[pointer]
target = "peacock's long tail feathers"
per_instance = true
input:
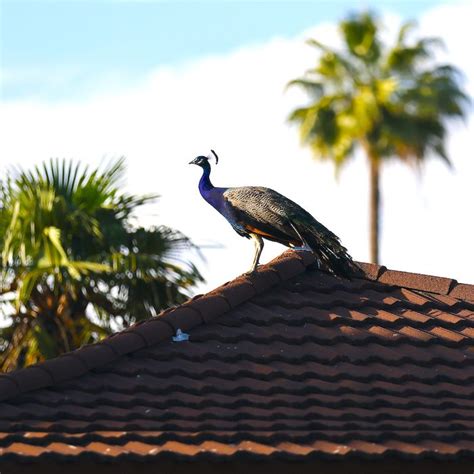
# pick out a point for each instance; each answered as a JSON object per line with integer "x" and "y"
{"x": 327, "y": 248}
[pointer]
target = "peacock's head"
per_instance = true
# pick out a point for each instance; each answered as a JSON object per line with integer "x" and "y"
{"x": 203, "y": 161}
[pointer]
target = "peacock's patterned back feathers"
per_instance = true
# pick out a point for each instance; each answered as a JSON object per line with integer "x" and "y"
{"x": 273, "y": 216}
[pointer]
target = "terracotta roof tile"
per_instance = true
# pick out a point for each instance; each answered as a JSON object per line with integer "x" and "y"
{"x": 125, "y": 342}
{"x": 153, "y": 331}
{"x": 447, "y": 334}
{"x": 64, "y": 367}
{"x": 9, "y": 387}
{"x": 371, "y": 270}
{"x": 184, "y": 318}
{"x": 419, "y": 282}
{"x": 463, "y": 292}
{"x": 288, "y": 266}
{"x": 237, "y": 291}
{"x": 32, "y": 378}
{"x": 289, "y": 362}
{"x": 416, "y": 333}
{"x": 211, "y": 306}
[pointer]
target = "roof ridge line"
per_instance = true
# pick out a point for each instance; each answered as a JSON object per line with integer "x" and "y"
{"x": 418, "y": 281}
{"x": 159, "y": 328}
{"x": 191, "y": 314}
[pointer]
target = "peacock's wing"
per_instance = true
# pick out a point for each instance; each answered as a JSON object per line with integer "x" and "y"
{"x": 264, "y": 212}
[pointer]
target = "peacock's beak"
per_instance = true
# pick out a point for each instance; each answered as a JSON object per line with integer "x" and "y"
{"x": 193, "y": 162}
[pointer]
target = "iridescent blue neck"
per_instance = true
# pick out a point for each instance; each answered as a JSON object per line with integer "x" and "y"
{"x": 214, "y": 196}
{"x": 205, "y": 184}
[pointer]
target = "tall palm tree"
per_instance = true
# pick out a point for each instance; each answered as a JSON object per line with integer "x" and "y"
{"x": 388, "y": 101}
{"x": 75, "y": 265}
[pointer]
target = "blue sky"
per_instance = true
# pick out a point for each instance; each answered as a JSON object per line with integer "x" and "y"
{"x": 58, "y": 49}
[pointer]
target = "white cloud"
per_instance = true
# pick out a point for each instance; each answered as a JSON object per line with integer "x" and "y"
{"x": 236, "y": 104}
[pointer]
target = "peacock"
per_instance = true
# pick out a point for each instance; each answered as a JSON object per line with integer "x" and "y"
{"x": 259, "y": 213}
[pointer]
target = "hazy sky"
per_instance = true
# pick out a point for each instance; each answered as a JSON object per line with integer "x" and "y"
{"x": 161, "y": 82}
{"x": 82, "y": 42}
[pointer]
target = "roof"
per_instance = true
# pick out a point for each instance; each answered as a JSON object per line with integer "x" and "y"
{"x": 288, "y": 363}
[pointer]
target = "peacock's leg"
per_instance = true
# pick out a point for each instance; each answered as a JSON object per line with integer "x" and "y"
{"x": 258, "y": 241}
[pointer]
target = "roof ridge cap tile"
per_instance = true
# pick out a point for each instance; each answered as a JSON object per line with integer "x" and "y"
{"x": 198, "y": 310}
{"x": 418, "y": 281}
{"x": 462, "y": 291}
{"x": 202, "y": 309}
{"x": 372, "y": 271}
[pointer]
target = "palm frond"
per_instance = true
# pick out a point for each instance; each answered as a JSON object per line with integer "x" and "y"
{"x": 391, "y": 101}
{"x": 70, "y": 250}
{"x": 360, "y": 34}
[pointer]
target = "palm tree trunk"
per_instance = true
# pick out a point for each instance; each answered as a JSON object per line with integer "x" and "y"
{"x": 374, "y": 203}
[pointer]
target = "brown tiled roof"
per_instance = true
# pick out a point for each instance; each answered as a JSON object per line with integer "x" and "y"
{"x": 289, "y": 363}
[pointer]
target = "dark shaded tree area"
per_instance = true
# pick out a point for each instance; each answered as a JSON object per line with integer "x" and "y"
{"x": 75, "y": 265}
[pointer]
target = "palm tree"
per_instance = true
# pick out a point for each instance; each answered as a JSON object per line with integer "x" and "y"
{"x": 74, "y": 266}
{"x": 388, "y": 101}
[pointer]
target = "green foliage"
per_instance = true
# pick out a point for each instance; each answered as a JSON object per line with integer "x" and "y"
{"x": 391, "y": 101}
{"x": 70, "y": 251}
